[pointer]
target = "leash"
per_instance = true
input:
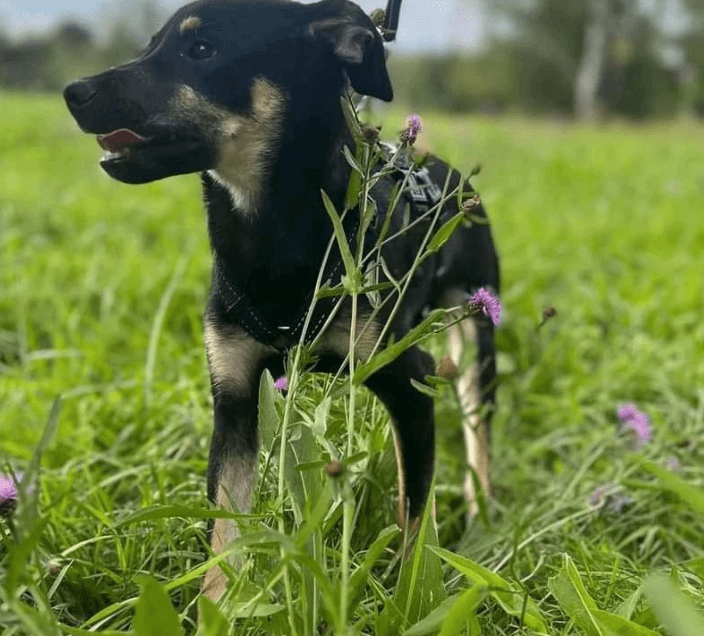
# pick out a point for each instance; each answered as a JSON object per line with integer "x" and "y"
{"x": 390, "y": 24}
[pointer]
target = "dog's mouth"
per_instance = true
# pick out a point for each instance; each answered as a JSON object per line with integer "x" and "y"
{"x": 118, "y": 144}
{"x": 138, "y": 158}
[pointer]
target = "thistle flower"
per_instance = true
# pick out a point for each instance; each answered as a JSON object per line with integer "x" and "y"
{"x": 636, "y": 422}
{"x": 413, "y": 127}
{"x": 8, "y": 494}
{"x": 483, "y": 299}
{"x": 281, "y": 383}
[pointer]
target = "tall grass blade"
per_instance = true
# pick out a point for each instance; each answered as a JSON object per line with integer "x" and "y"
{"x": 691, "y": 495}
{"x": 158, "y": 324}
{"x": 29, "y": 524}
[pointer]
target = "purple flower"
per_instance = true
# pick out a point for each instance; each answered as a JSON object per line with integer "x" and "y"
{"x": 672, "y": 463}
{"x": 8, "y": 494}
{"x": 483, "y": 299}
{"x": 413, "y": 127}
{"x": 636, "y": 422}
{"x": 281, "y": 384}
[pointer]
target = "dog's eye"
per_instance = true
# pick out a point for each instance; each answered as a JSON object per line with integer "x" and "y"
{"x": 201, "y": 50}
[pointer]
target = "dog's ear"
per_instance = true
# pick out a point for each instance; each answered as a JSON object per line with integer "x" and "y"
{"x": 358, "y": 46}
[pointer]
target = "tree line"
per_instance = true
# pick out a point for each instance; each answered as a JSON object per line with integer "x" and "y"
{"x": 587, "y": 59}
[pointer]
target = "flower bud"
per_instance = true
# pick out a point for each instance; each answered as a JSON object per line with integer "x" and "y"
{"x": 334, "y": 469}
{"x": 447, "y": 369}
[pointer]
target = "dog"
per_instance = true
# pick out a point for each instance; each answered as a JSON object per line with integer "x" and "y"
{"x": 248, "y": 94}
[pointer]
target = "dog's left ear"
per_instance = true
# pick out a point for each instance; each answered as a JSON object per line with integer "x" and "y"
{"x": 358, "y": 46}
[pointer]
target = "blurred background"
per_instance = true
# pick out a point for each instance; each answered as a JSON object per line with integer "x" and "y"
{"x": 581, "y": 59}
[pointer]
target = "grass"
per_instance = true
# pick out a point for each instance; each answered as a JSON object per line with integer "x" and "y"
{"x": 103, "y": 287}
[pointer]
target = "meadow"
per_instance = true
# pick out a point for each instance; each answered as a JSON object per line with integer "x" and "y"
{"x": 105, "y": 407}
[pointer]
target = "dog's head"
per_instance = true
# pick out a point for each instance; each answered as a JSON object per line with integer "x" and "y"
{"x": 222, "y": 80}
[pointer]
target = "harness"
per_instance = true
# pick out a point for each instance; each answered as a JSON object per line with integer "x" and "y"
{"x": 241, "y": 310}
{"x": 239, "y": 307}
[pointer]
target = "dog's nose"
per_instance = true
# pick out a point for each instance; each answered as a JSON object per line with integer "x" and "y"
{"x": 79, "y": 93}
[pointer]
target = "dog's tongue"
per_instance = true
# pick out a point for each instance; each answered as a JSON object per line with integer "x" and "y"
{"x": 118, "y": 140}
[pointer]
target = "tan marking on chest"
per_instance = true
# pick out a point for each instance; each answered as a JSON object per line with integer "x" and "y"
{"x": 247, "y": 144}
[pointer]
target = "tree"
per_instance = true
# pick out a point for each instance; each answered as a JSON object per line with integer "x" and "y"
{"x": 583, "y": 56}
{"x": 591, "y": 63}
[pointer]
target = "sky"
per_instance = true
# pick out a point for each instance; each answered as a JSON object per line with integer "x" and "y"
{"x": 438, "y": 25}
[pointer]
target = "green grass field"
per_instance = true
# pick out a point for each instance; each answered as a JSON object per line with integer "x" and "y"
{"x": 102, "y": 288}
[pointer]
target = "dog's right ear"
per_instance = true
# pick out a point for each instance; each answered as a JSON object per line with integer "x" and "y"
{"x": 358, "y": 46}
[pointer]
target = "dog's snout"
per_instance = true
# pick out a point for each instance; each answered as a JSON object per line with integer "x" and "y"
{"x": 79, "y": 93}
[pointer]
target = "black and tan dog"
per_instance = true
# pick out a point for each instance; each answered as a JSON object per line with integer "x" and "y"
{"x": 247, "y": 93}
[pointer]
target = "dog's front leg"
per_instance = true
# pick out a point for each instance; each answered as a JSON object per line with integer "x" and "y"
{"x": 233, "y": 455}
{"x": 412, "y": 415}
{"x": 235, "y": 360}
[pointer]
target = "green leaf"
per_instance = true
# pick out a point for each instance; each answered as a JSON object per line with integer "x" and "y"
{"x": 320, "y": 418}
{"x": 568, "y": 589}
{"x": 269, "y": 421}
{"x": 303, "y": 486}
{"x": 696, "y": 565}
{"x": 615, "y": 625}
{"x": 628, "y": 607}
{"x": 510, "y": 599}
{"x": 35, "y": 622}
{"x": 464, "y": 612}
{"x": 393, "y": 202}
{"x": 433, "y": 621}
{"x": 677, "y": 613}
{"x": 351, "y": 119}
{"x": 425, "y": 389}
{"x": 352, "y": 160}
{"x": 211, "y": 621}
{"x": 260, "y": 610}
{"x": 354, "y": 189}
{"x": 690, "y": 494}
{"x": 157, "y": 511}
{"x": 155, "y": 615}
{"x": 456, "y": 611}
{"x": 361, "y": 574}
{"x": 433, "y": 323}
{"x": 340, "y": 236}
{"x": 420, "y": 586}
{"x": 444, "y": 233}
